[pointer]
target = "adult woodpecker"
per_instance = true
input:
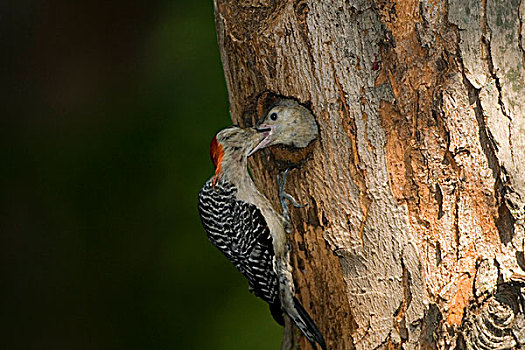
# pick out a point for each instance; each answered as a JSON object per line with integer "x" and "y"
{"x": 242, "y": 224}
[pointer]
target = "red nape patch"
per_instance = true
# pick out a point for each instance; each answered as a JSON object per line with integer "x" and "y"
{"x": 216, "y": 153}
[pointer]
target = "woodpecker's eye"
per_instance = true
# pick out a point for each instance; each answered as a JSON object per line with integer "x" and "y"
{"x": 273, "y": 116}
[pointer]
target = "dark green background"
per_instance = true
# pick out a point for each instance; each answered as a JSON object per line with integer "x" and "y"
{"x": 108, "y": 110}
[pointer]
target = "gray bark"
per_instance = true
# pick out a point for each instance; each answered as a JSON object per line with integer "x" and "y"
{"x": 414, "y": 232}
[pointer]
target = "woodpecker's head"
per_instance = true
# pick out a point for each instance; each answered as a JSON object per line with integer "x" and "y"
{"x": 232, "y": 146}
{"x": 287, "y": 123}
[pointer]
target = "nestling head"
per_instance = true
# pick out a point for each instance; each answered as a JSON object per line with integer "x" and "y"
{"x": 287, "y": 123}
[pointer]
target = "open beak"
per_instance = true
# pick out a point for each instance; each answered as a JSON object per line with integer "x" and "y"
{"x": 267, "y": 132}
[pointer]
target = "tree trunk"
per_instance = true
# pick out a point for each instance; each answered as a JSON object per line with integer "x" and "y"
{"x": 414, "y": 234}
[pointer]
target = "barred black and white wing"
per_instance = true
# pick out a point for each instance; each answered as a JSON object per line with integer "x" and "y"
{"x": 238, "y": 229}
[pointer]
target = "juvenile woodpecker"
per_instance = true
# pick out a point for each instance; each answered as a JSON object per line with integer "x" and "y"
{"x": 287, "y": 123}
{"x": 242, "y": 224}
{"x": 292, "y": 124}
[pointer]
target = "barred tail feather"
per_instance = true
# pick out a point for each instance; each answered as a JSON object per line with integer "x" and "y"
{"x": 308, "y": 326}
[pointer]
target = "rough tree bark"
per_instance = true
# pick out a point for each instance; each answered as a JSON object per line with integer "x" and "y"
{"x": 413, "y": 237}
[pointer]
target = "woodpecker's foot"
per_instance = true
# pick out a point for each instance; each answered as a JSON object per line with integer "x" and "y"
{"x": 283, "y": 196}
{"x": 293, "y": 201}
{"x": 281, "y": 182}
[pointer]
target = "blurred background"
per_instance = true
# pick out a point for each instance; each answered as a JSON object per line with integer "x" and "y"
{"x": 109, "y": 108}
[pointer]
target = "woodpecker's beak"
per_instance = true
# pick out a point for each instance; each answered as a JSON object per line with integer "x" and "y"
{"x": 266, "y": 131}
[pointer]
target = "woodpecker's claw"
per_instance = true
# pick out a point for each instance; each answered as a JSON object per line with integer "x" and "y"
{"x": 293, "y": 201}
{"x": 283, "y": 196}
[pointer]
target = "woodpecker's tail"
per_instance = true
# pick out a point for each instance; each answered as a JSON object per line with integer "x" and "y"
{"x": 307, "y": 326}
{"x": 277, "y": 312}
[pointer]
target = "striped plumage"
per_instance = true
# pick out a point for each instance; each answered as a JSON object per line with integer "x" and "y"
{"x": 242, "y": 224}
{"x": 239, "y": 230}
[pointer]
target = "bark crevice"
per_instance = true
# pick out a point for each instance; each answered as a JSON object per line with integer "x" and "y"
{"x": 505, "y": 221}
{"x": 521, "y": 29}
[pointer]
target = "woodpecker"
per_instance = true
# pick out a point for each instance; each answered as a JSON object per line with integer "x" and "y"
{"x": 291, "y": 124}
{"x": 242, "y": 224}
{"x": 287, "y": 123}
